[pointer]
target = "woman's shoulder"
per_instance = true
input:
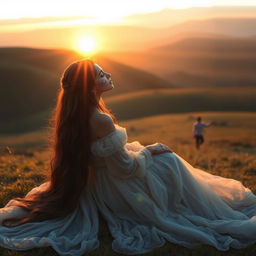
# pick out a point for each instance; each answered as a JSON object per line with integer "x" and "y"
{"x": 102, "y": 124}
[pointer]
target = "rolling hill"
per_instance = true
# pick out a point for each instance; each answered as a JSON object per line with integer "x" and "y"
{"x": 181, "y": 100}
{"x": 199, "y": 61}
{"x": 29, "y": 80}
{"x": 146, "y": 103}
{"x": 232, "y": 132}
{"x": 213, "y": 45}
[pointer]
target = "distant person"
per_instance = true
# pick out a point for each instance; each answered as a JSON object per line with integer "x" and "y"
{"x": 198, "y": 131}
{"x": 146, "y": 194}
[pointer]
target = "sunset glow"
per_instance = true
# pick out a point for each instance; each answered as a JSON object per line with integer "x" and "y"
{"x": 87, "y": 45}
{"x": 115, "y": 25}
{"x": 100, "y": 9}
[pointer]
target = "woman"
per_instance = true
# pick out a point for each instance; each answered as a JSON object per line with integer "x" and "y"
{"x": 147, "y": 195}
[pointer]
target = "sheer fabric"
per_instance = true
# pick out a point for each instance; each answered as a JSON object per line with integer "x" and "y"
{"x": 72, "y": 235}
{"x": 171, "y": 200}
{"x": 146, "y": 201}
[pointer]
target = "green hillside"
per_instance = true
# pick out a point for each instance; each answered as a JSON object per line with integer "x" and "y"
{"x": 155, "y": 102}
{"x": 129, "y": 79}
{"x": 29, "y": 80}
{"x": 232, "y": 130}
{"x": 25, "y": 90}
{"x": 229, "y": 151}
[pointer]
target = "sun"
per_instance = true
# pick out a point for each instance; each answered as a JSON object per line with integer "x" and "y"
{"x": 87, "y": 45}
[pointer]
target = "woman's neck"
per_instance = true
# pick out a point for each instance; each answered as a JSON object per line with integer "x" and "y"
{"x": 98, "y": 97}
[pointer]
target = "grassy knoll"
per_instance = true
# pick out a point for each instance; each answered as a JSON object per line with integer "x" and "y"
{"x": 229, "y": 151}
{"x": 29, "y": 82}
{"x": 163, "y": 101}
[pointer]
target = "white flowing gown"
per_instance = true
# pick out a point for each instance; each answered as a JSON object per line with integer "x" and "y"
{"x": 146, "y": 201}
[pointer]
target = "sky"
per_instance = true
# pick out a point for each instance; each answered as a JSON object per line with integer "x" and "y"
{"x": 80, "y": 23}
{"x": 102, "y": 9}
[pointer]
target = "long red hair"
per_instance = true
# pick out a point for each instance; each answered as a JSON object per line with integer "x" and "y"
{"x": 70, "y": 169}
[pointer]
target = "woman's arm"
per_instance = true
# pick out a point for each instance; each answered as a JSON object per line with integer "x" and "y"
{"x": 121, "y": 161}
{"x": 158, "y": 148}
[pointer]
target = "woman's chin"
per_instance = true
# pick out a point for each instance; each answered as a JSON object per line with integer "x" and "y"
{"x": 109, "y": 89}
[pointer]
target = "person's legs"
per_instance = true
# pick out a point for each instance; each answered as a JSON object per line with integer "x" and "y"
{"x": 199, "y": 140}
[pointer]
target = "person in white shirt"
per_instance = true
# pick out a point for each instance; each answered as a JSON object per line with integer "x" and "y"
{"x": 198, "y": 129}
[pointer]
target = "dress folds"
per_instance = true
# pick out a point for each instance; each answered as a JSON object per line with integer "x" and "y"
{"x": 146, "y": 200}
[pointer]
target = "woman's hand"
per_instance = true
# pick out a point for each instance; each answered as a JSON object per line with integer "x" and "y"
{"x": 158, "y": 148}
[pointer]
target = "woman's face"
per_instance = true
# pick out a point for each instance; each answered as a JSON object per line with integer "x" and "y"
{"x": 103, "y": 80}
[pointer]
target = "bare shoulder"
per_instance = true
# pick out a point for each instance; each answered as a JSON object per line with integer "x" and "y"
{"x": 101, "y": 124}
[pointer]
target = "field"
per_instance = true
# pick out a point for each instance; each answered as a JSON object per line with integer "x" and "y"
{"x": 139, "y": 104}
{"x": 180, "y": 100}
{"x": 29, "y": 80}
{"x": 229, "y": 151}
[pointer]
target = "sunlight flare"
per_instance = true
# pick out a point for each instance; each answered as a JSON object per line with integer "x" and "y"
{"x": 87, "y": 44}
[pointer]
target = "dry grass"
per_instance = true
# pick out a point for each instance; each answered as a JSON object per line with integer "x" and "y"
{"x": 229, "y": 151}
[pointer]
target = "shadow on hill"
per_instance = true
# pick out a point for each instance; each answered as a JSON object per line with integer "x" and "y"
{"x": 29, "y": 82}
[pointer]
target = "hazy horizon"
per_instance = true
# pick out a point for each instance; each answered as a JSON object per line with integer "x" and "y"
{"x": 106, "y": 33}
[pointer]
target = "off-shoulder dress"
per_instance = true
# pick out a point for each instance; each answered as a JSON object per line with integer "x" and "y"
{"x": 146, "y": 200}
